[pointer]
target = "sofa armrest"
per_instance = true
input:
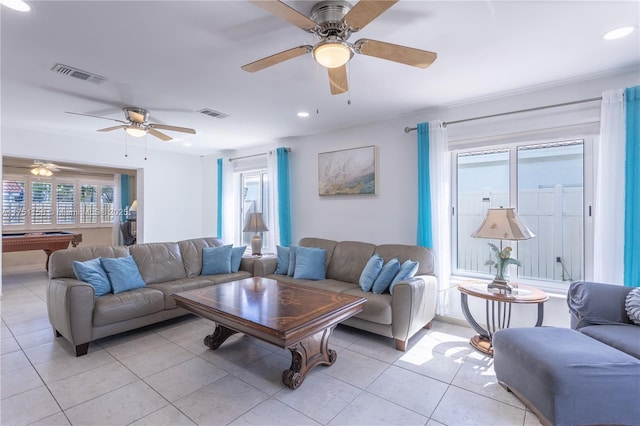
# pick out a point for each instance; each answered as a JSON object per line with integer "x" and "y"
{"x": 413, "y": 305}
{"x": 247, "y": 264}
{"x": 70, "y": 305}
{"x": 265, "y": 266}
{"x": 597, "y": 303}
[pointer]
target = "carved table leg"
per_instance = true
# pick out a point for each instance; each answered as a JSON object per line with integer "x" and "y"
{"x": 220, "y": 334}
{"x": 306, "y": 354}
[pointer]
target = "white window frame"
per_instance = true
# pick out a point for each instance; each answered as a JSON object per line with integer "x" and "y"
{"x": 588, "y": 195}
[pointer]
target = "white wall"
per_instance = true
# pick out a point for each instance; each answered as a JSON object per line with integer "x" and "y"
{"x": 162, "y": 177}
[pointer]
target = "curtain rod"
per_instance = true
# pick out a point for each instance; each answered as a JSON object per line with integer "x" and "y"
{"x": 255, "y": 155}
{"x": 410, "y": 129}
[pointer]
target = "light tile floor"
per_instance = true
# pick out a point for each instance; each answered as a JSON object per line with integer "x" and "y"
{"x": 164, "y": 375}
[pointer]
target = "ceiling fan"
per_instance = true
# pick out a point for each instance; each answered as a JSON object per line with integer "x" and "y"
{"x": 333, "y": 22}
{"x": 137, "y": 124}
{"x": 45, "y": 169}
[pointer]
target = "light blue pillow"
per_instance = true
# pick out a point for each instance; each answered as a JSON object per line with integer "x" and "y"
{"x": 282, "y": 266}
{"x": 93, "y": 273}
{"x": 389, "y": 270}
{"x": 236, "y": 257}
{"x": 407, "y": 270}
{"x": 370, "y": 272}
{"x": 216, "y": 260}
{"x": 310, "y": 263}
{"x": 292, "y": 261}
{"x": 123, "y": 273}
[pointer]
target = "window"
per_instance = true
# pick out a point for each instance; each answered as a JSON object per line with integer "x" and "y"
{"x": 545, "y": 182}
{"x": 44, "y": 203}
{"x": 255, "y": 198}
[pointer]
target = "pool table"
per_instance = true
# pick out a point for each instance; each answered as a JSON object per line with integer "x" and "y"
{"x": 47, "y": 241}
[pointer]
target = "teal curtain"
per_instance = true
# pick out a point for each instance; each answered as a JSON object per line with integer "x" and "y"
{"x": 632, "y": 190}
{"x": 425, "y": 236}
{"x": 284, "y": 196}
{"x": 125, "y": 195}
{"x": 219, "y": 224}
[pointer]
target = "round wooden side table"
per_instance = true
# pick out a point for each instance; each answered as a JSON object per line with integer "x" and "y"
{"x": 498, "y": 309}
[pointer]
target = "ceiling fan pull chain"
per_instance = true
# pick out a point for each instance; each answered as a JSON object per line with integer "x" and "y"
{"x": 145, "y": 147}
{"x": 349, "y": 83}
{"x": 126, "y": 153}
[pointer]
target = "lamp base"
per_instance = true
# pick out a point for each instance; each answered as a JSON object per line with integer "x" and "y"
{"x": 256, "y": 245}
{"x": 501, "y": 285}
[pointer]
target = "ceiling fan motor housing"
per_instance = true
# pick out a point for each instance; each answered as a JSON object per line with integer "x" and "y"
{"x": 329, "y": 17}
{"x": 141, "y": 111}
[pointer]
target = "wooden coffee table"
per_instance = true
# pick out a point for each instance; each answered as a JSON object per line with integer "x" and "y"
{"x": 290, "y": 316}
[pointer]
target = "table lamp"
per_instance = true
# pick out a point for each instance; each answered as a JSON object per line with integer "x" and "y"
{"x": 257, "y": 225}
{"x": 502, "y": 224}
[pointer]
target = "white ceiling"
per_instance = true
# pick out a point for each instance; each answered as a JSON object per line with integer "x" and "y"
{"x": 177, "y": 57}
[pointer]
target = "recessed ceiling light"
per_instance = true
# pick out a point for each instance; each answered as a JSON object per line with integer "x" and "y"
{"x": 618, "y": 33}
{"x": 186, "y": 144}
{"x": 303, "y": 114}
{"x": 18, "y": 5}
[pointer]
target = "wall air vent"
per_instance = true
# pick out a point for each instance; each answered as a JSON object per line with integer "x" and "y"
{"x": 212, "y": 113}
{"x": 74, "y": 72}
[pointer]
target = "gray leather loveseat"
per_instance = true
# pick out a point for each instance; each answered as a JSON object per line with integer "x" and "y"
{"x": 166, "y": 268}
{"x": 399, "y": 315}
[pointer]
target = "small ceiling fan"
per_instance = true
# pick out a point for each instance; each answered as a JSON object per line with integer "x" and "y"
{"x": 137, "y": 124}
{"x": 45, "y": 169}
{"x": 333, "y": 22}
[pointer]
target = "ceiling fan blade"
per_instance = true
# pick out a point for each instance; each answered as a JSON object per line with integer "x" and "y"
{"x": 366, "y": 11}
{"x": 174, "y": 128}
{"x": 158, "y": 134}
{"x": 263, "y": 63}
{"x": 393, "y": 52}
{"x": 108, "y": 129}
{"x": 97, "y": 116}
{"x": 338, "y": 80}
{"x": 286, "y": 12}
{"x": 136, "y": 117}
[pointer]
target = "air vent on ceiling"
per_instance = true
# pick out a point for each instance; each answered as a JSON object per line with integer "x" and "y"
{"x": 212, "y": 113}
{"x": 74, "y": 72}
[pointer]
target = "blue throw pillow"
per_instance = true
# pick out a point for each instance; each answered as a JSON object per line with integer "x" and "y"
{"x": 370, "y": 272}
{"x": 407, "y": 270}
{"x": 282, "y": 266}
{"x": 236, "y": 257}
{"x": 216, "y": 260}
{"x": 292, "y": 261}
{"x": 389, "y": 270}
{"x": 123, "y": 273}
{"x": 310, "y": 263}
{"x": 93, "y": 273}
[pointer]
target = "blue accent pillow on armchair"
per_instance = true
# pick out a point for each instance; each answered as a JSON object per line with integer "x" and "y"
{"x": 123, "y": 273}
{"x": 92, "y": 272}
{"x": 282, "y": 265}
{"x": 370, "y": 272}
{"x": 292, "y": 260}
{"x": 216, "y": 260}
{"x": 407, "y": 270}
{"x": 310, "y": 263}
{"x": 389, "y": 270}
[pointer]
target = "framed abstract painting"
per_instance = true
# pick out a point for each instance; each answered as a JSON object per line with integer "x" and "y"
{"x": 347, "y": 172}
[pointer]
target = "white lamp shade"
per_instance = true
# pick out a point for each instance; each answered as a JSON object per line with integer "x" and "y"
{"x": 332, "y": 54}
{"x": 135, "y": 132}
{"x": 134, "y": 206}
{"x": 255, "y": 223}
{"x": 503, "y": 224}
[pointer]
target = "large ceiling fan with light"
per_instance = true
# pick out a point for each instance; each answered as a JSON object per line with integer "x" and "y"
{"x": 137, "y": 124}
{"x": 333, "y": 22}
{"x": 46, "y": 169}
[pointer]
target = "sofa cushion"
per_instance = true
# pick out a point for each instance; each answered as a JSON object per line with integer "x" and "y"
{"x": 370, "y": 272}
{"x": 191, "y": 251}
{"x": 388, "y": 272}
{"x": 632, "y": 305}
{"x": 624, "y": 337}
{"x": 422, "y": 255}
{"x": 123, "y": 273}
{"x": 329, "y": 285}
{"x": 168, "y": 289}
{"x": 310, "y": 263}
{"x": 61, "y": 261}
{"x": 92, "y": 272}
{"x": 112, "y": 308}
{"x": 282, "y": 265}
{"x": 216, "y": 260}
{"x": 376, "y": 309}
{"x": 348, "y": 260}
{"x": 225, "y": 278}
{"x": 158, "y": 262}
{"x": 407, "y": 270}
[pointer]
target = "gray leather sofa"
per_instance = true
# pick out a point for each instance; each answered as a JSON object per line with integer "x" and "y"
{"x": 399, "y": 315}
{"x": 166, "y": 268}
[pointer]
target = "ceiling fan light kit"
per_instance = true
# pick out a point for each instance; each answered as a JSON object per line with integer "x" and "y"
{"x": 135, "y": 131}
{"x": 41, "y": 171}
{"x": 333, "y": 22}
